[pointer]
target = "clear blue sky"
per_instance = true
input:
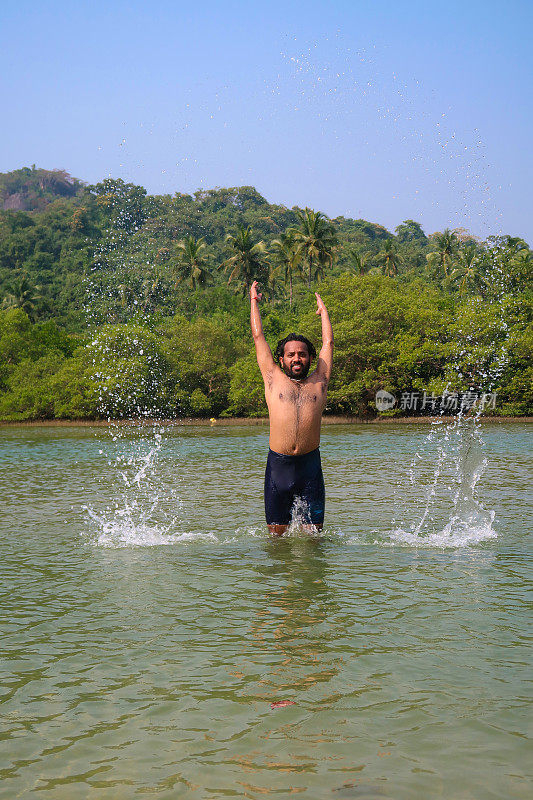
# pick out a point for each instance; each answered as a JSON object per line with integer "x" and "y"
{"x": 382, "y": 110}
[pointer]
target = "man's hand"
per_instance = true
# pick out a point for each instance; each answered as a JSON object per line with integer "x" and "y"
{"x": 262, "y": 350}
{"x": 325, "y": 357}
{"x": 254, "y": 294}
{"x": 320, "y": 304}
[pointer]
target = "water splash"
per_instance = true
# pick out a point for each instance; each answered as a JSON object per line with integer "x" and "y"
{"x": 300, "y": 520}
{"x": 440, "y": 504}
{"x": 129, "y": 376}
{"x": 448, "y": 510}
{"x": 145, "y": 507}
{"x": 437, "y": 504}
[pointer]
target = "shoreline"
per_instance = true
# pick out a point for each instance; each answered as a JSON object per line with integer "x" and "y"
{"x": 191, "y": 422}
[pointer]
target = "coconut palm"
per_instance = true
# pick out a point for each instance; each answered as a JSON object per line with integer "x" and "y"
{"x": 390, "y": 258}
{"x": 359, "y": 261}
{"x": 24, "y": 295}
{"x": 152, "y": 291}
{"x": 521, "y": 268}
{"x": 286, "y": 258}
{"x": 245, "y": 264}
{"x": 125, "y": 293}
{"x": 191, "y": 262}
{"x": 317, "y": 240}
{"x": 468, "y": 270}
{"x": 446, "y": 245}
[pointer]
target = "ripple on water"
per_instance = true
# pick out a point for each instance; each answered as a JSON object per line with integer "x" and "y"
{"x": 132, "y": 669}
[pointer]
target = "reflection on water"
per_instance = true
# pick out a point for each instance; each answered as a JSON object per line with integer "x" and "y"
{"x": 297, "y": 607}
{"x": 132, "y": 671}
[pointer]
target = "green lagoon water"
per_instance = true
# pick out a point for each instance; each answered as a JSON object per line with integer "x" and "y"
{"x": 148, "y": 622}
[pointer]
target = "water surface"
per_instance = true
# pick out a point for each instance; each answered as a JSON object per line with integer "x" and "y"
{"x": 149, "y": 623}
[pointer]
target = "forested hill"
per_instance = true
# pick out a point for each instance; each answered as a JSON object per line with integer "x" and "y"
{"x": 175, "y": 269}
{"x": 31, "y": 189}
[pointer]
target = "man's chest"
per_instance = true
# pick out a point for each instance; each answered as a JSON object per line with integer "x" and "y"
{"x": 291, "y": 394}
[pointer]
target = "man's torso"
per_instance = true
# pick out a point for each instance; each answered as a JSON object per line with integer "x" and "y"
{"x": 295, "y": 410}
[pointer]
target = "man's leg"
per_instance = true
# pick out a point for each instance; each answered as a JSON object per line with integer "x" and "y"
{"x": 278, "y": 501}
{"x": 313, "y": 492}
{"x": 277, "y": 530}
{"x": 312, "y": 528}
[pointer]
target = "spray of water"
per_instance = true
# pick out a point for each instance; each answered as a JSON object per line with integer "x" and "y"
{"x": 128, "y": 375}
{"x": 300, "y": 520}
{"x": 144, "y": 508}
{"x": 437, "y": 504}
{"x": 444, "y": 508}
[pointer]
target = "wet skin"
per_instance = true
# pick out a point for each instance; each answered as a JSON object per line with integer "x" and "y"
{"x": 295, "y": 399}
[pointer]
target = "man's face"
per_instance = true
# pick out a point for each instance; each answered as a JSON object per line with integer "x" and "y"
{"x": 296, "y": 360}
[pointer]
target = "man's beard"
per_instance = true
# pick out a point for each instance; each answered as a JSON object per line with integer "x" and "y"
{"x": 300, "y": 374}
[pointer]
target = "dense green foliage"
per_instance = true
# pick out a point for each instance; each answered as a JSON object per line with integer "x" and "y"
{"x": 115, "y": 303}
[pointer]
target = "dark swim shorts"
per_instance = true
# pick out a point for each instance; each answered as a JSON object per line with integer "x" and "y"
{"x": 294, "y": 481}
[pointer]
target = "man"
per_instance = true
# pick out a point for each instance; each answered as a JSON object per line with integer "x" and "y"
{"x": 296, "y": 400}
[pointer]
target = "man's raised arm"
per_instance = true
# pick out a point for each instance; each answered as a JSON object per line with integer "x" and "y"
{"x": 262, "y": 350}
{"x": 325, "y": 357}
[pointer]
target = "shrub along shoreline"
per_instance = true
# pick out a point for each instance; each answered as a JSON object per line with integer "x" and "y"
{"x": 233, "y": 422}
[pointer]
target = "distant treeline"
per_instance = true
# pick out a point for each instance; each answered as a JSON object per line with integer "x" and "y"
{"x": 116, "y": 303}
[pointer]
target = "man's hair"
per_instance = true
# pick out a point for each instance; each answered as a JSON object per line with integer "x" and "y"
{"x": 293, "y": 337}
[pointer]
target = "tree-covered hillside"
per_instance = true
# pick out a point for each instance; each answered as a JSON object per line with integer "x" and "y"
{"x": 115, "y": 302}
{"x": 31, "y": 189}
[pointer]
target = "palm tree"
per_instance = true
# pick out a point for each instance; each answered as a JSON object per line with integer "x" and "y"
{"x": 24, "y": 295}
{"x": 152, "y": 289}
{"x": 191, "y": 264}
{"x": 125, "y": 293}
{"x": 390, "y": 258}
{"x": 246, "y": 264}
{"x": 317, "y": 240}
{"x": 521, "y": 268}
{"x": 286, "y": 257}
{"x": 359, "y": 261}
{"x": 516, "y": 243}
{"x": 467, "y": 269}
{"x": 446, "y": 244}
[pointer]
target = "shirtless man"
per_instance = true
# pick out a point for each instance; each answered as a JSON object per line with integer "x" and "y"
{"x": 295, "y": 402}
